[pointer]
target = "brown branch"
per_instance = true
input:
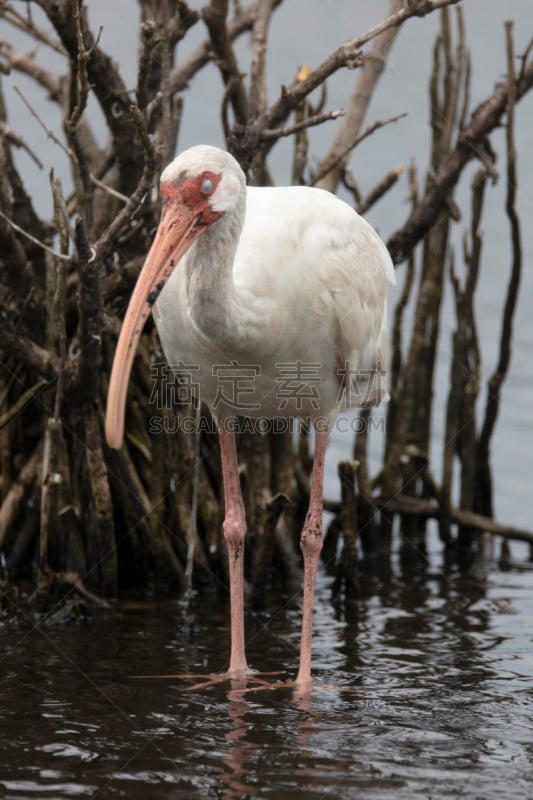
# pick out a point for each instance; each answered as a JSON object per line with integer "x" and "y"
{"x": 29, "y": 352}
{"x": 22, "y": 402}
{"x": 27, "y": 25}
{"x": 53, "y": 450}
{"x": 25, "y": 63}
{"x": 49, "y": 132}
{"x": 42, "y": 245}
{"x": 163, "y": 25}
{"x": 214, "y": 16}
{"x": 469, "y": 145}
{"x": 107, "y": 84}
{"x": 106, "y": 241}
{"x": 102, "y": 543}
{"x": 348, "y": 55}
{"x": 332, "y": 164}
{"x": 161, "y": 29}
{"x": 308, "y": 122}
{"x": 74, "y": 580}
{"x": 56, "y": 88}
{"x": 381, "y": 188}
{"x": 414, "y": 506}
{"x": 459, "y": 434}
{"x": 90, "y": 318}
{"x": 181, "y": 75}
{"x": 18, "y": 491}
{"x": 412, "y": 412}
{"x": 504, "y": 359}
{"x": 347, "y": 568}
{"x": 108, "y": 189}
{"x": 51, "y": 478}
{"x": 7, "y": 132}
{"x": 258, "y": 92}
{"x": 301, "y": 140}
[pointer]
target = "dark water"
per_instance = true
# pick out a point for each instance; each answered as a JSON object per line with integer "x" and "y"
{"x": 425, "y": 689}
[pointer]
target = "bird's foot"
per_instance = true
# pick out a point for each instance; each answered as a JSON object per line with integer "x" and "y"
{"x": 304, "y": 689}
{"x": 240, "y": 679}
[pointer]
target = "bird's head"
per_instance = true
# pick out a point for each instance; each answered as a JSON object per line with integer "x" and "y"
{"x": 197, "y": 189}
{"x": 205, "y": 180}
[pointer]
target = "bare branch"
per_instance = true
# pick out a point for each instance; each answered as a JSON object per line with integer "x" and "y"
{"x": 379, "y": 190}
{"x": 108, "y": 86}
{"x": 74, "y": 580}
{"x": 257, "y": 93}
{"x": 26, "y": 63}
{"x": 504, "y": 358}
{"x": 245, "y": 142}
{"x": 469, "y": 145}
{"x": 105, "y": 242}
{"x": 405, "y": 504}
{"x": 203, "y": 54}
{"x": 49, "y": 132}
{"x": 22, "y": 402}
{"x": 108, "y": 189}
{"x": 309, "y": 122}
{"x": 31, "y": 238}
{"x": 214, "y": 16}
{"x": 7, "y": 132}
{"x": 17, "y": 492}
{"x": 27, "y": 25}
{"x": 329, "y": 167}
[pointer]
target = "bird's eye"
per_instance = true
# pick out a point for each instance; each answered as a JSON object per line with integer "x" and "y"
{"x": 207, "y": 186}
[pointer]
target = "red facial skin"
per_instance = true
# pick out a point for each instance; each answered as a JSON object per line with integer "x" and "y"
{"x": 185, "y": 215}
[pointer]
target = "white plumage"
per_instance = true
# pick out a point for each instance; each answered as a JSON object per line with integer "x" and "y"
{"x": 283, "y": 290}
{"x": 306, "y": 285}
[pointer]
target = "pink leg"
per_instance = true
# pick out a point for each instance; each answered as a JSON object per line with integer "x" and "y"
{"x": 234, "y": 532}
{"x": 311, "y": 544}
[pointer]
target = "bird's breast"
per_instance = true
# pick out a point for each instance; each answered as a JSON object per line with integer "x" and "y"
{"x": 281, "y": 365}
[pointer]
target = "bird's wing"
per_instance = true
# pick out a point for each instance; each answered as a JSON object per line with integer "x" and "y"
{"x": 354, "y": 266}
{"x": 315, "y": 269}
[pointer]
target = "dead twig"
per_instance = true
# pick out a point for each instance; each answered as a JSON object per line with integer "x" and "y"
{"x": 348, "y": 56}
{"x": 381, "y": 188}
{"x": 74, "y": 580}
{"x": 309, "y": 122}
{"x": 506, "y": 336}
{"x": 27, "y": 25}
{"x": 49, "y": 132}
{"x": 347, "y": 138}
{"x": 428, "y": 509}
{"x": 214, "y": 15}
{"x": 328, "y": 166}
{"x": 22, "y": 402}
{"x": 483, "y": 120}
{"x": 18, "y": 490}
{"x": 7, "y": 132}
{"x": 42, "y": 245}
{"x": 257, "y": 95}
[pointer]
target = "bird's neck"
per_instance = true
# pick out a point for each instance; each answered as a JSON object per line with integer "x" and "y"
{"x": 212, "y": 295}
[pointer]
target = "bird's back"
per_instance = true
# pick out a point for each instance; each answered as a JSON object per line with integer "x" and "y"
{"x": 318, "y": 272}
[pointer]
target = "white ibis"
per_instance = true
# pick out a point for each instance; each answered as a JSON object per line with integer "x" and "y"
{"x": 281, "y": 290}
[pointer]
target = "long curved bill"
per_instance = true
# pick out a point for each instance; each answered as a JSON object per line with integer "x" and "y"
{"x": 176, "y": 232}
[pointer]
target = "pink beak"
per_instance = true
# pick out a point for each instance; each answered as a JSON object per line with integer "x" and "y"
{"x": 176, "y": 233}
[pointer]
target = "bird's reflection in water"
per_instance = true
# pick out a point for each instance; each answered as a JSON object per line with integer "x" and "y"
{"x": 240, "y": 750}
{"x": 243, "y": 752}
